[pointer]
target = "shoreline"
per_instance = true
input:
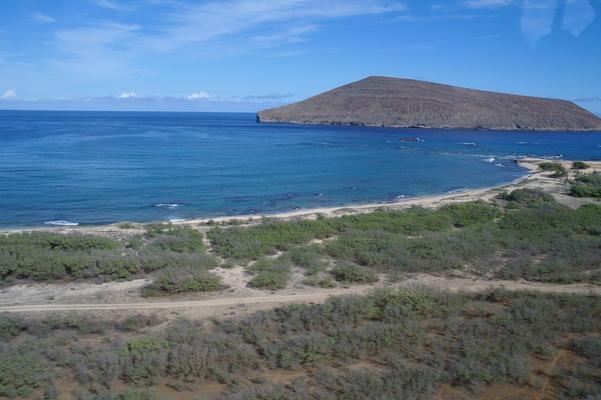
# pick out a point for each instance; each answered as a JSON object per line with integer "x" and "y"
{"x": 530, "y": 164}
{"x": 536, "y": 178}
{"x": 365, "y": 207}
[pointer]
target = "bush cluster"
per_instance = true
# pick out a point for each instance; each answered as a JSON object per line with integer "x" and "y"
{"x": 270, "y": 274}
{"x": 352, "y": 273}
{"x": 557, "y": 169}
{"x": 531, "y": 237}
{"x": 248, "y": 243}
{"x": 587, "y": 186}
{"x": 527, "y": 198}
{"x": 183, "y": 279}
{"x": 580, "y": 165}
{"x": 54, "y": 256}
{"x": 388, "y": 344}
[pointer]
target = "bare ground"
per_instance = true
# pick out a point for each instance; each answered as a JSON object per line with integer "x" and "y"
{"x": 235, "y": 301}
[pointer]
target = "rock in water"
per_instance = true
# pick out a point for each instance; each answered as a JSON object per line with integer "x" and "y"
{"x": 406, "y": 103}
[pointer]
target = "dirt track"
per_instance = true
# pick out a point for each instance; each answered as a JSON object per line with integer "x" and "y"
{"x": 214, "y": 306}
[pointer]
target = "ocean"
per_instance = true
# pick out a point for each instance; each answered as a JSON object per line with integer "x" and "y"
{"x": 87, "y": 168}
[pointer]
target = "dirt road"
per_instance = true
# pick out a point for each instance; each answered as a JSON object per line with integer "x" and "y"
{"x": 213, "y": 306}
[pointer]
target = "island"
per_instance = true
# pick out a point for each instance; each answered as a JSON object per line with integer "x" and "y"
{"x": 406, "y": 103}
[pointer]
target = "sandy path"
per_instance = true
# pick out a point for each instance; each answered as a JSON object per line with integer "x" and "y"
{"x": 210, "y": 303}
{"x": 262, "y": 301}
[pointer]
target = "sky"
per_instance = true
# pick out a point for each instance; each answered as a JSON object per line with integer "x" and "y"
{"x": 247, "y": 55}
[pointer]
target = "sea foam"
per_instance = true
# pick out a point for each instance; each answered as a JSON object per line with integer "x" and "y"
{"x": 170, "y": 206}
{"x": 61, "y": 223}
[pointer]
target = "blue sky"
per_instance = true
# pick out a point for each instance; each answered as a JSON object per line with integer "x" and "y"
{"x": 246, "y": 55}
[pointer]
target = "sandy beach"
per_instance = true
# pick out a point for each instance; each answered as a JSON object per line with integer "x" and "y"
{"x": 533, "y": 178}
{"x": 240, "y": 299}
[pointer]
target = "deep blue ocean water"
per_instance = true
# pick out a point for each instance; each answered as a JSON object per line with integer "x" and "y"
{"x": 102, "y": 167}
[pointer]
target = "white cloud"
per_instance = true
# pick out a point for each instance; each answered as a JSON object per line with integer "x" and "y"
{"x": 276, "y": 22}
{"x": 208, "y": 30}
{"x": 43, "y": 18}
{"x": 198, "y": 96}
{"x": 487, "y": 3}
{"x": 112, "y": 5}
{"x": 9, "y": 94}
{"x": 127, "y": 95}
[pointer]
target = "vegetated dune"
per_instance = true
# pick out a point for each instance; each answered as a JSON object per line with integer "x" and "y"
{"x": 406, "y": 103}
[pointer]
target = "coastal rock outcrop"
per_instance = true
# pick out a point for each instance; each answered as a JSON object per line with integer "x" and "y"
{"x": 406, "y": 103}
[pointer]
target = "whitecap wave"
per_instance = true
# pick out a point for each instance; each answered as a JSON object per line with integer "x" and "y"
{"x": 176, "y": 220}
{"x": 400, "y": 197}
{"x": 468, "y": 143}
{"x": 489, "y": 159}
{"x": 169, "y": 206}
{"x": 61, "y": 223}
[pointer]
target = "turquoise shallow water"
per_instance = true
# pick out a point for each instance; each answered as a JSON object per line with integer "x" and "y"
{"x": 102, "y": 167}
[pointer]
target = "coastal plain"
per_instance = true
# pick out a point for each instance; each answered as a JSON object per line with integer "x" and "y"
{"x": 239, "y": 298}
{"x": 487, "y": 293}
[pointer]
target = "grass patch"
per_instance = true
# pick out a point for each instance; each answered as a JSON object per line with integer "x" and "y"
{"x": 580, "y": 165}
{"x": 389, "y": 344}
{"x": 270, "y": 274}
{"x": 320, "y": 281}
{"x": 181, "y": 280}
{"x": 587, "y": 186}
{"x": 557, "y": 169}
{"x": 527, "y": 198}
{"x": 351, "y": 273}
{"x": 529, "y": 235}
{"x": 126, "y": 225}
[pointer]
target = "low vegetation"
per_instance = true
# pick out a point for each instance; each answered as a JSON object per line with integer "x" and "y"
{"x": 527, "y": 235}
{"x": 587, "y": 186}
{"x": 270, "y": 274}
{"x": 389, "y": 344}
{"x": 351, "y": 273}
{"x": 44, "y": 256}
{"x": 526, "y": 198}
{"x": 524, "y": 234}
{"x": 580, "y": 165}
{"x": 183, "y": 279}
{"x": 557, "y": 169}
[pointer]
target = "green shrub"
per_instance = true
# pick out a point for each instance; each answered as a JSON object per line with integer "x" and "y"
{"x": 135, "y": 243}
{"x": 388, "y": 344}
{"x": 179, "y": 239}
{"x": 528, "y": 197}
{"x": 557, "y": 169}
{"x": 126, "y": 225}
{"x": 269, "y": 280}
{"x": 323, "y": 282}
{"x": 467, "y": 214}
{"x": 305, "y": 256}
{"x": 580, "y": 165}
{"x": 270, "y": 274}
{"x": 587, "y": 186}
{"x": 353, "y": 274}
{"x": 20, "y": 374}
{"x": 183, "y": 279}
{"x": 590, "y": 347}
